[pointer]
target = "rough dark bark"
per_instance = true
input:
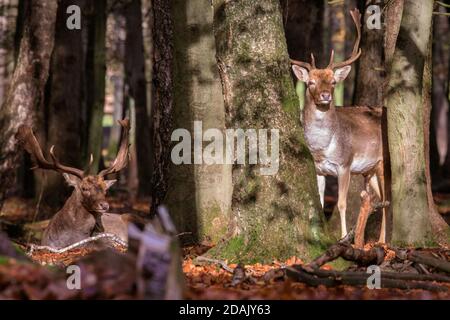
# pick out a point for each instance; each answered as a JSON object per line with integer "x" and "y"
{"x": 370, "y": 70}
{"x": 199, "y": 194}
{"x": 302, "y": 21}
{"x": 135, "y": 78}
{"x": 274, "y": 215}
{"x": 26, "y": 89}
{"x": 63, "y": 120}
{"x": 162, "y": 99}
{"x": 405, "y": 114}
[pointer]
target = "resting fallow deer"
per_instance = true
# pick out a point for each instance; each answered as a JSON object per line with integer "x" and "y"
{"x": 342, "y": 141}
{"x": 78, "y": 217}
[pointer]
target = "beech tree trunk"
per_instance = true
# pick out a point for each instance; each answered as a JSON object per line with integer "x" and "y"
{"x": 272, "y": 215}
{"x": 199, "y": 195}
{"x": 25, "y": 92}
{"x": 412, "y": 217}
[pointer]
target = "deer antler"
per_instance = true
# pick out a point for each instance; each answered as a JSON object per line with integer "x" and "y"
{"x": 122, "y": 156}
{"x": 26, "y": 137}
{"x": 356, "y": 16}
{"x": 306, "y": 64}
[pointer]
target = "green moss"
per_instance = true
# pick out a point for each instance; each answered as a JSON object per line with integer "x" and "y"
{"x": 213, "y": 225}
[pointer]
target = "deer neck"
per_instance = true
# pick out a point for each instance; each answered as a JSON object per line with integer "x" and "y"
{"x": 319, "y": 124}
{"x": 74, "y": 208}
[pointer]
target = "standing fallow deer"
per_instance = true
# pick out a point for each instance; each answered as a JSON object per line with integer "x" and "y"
{"x": 78, "y": 217}
{"x": 342, "y": 141}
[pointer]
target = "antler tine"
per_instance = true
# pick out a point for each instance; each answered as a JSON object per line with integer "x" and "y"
{"x": 313, "y": 61}
{"x": 89, "y": 166}
{"x": 65, "y": 169}
{"x": 356, "y": 16}
{"x": 330, "y": 64}
{"x": 122, "y": 156}
{"x": 26, "y": 136}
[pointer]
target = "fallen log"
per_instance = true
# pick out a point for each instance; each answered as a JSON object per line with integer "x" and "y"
{"x": 336, "y": 278}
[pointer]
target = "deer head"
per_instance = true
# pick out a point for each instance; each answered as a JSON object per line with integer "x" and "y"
{"x": 90, "y": 189}
{"x": 321, "y": 82}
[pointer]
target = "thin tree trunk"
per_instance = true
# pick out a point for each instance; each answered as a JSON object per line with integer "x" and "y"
{"x": 404, "y": 102}
{"x": 95, "y": 78}
{"x": 25, "y": 93}
{"x": 162, "y": 98}
{"x": 135, "y": 78}
{"x": 273, "y": 215}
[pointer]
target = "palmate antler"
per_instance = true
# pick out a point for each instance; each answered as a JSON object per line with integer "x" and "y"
{"x": 122, "y": 156}
{"x": 356, "y": 16}
{"x": 26, "y": 137}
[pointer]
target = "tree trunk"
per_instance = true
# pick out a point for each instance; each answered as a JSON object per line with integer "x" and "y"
{"x": 199, "y": 194}
{"x": 7, "y": 28}
{"x": 95, "y": 80}
{"x": 162, "y": 98}
{"x": 370, "y": 74}
{"x": 63, "y": 121}
{"x": 337, "y": 38}
{"x": 439, "y": 121}
{"x": 438, "y": 224}
{"x": 273, "y": 215}
{"x": 405, "y": 113}
{"x": 135, "y": 78}
{"x": 25, "y": 93}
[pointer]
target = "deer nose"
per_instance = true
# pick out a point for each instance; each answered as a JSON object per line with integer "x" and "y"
{"x": 104, "y": 205}
{"x": 325, "y": 96}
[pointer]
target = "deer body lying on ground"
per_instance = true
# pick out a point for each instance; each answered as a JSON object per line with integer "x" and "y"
{"x": 342, "y": 141}
{"x": 82, "y": 211}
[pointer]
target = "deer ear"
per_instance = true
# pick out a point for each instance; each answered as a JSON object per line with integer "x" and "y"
{"x": 301, "y": 73}
{"x": 71, "y": 179}
{"x": 342, "y": 73}
{"x": 109, "y": 183}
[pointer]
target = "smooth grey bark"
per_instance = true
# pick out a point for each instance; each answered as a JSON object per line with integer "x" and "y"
{"x": 199, "y": 195}
{"x": 273, "y": 216}
{"x": 25, "y": 93}
{"x": 405, "y": 113}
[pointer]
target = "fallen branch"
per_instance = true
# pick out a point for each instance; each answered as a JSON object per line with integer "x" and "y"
{"x": 430, "y": 261}
{"x": 110, "y": 236}
{"x": 221, "y": 263}
{"x": 336, "y": 278}
{"x": 346, "y": 251}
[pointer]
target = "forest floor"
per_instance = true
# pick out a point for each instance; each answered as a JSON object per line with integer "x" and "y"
{"x": 203, "y": 280}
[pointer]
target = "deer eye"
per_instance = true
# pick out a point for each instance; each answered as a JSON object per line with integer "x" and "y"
{"x": 311, "y": 83}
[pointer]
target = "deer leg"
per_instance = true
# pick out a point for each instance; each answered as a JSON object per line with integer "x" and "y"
{"x": 377, "y": 184}
{"x": 321, "y": 186}
{"x": 343, "y": 183}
